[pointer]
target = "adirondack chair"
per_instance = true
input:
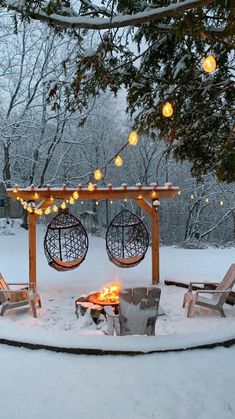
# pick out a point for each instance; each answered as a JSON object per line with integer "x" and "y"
{"x": 13, "y": 298}
{"x": 138, "y": 310}
{"x": 218, "y": 295}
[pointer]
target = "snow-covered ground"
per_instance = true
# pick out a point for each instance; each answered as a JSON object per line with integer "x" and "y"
{"x": 57, "y": 320}
{"x": 196, "y": 384}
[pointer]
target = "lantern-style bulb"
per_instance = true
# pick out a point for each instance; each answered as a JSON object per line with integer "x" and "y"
{"x": 47, "y": 211}
{"x": 75, "y": 195}
{"x": 54, "y": 208}
{"x": 167, "y": 110}
{"x": 90, "y": 187}
{"x": 133, "y": 138}
{"x": 98, "y": 174}
{"x": 71, "y": 200}
{"x": 63, "y": 205}
{"x": 118, "y": 161}
{"x": 209, "y": 64}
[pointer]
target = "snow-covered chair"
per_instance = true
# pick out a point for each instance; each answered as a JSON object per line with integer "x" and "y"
{"x": 13, "y": 298}
{"x": 138, "y": 311}
{"x": 217, "y": 297}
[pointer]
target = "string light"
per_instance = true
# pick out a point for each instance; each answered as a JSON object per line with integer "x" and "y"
{"x": 75, "y": 195}
{"x": 98, "y": 174}
{"x": 15, "y": 190}
{"x": 97, "y": 203}
{"x": 167, "y": 109}
{"x": 63, "y": 205}
{"x": 192, "y": 196}
{"x": 125, "y": 200}
{"x": 221, "y": 203}
{"x": 209, "y": 64}
{"x": 207, "y": 200}
{"x": 90, "y": 187}
{"x": 71, "y": 200}
{"x": 54, "y": 208}
{"x": 111, "y": 202}
{"x": 179, "y": 193}
{"x": 47, "y": 211}
{"x": 51, "y": 198}
{"x": 118, "y": 161}
{"x": 82, "y": 202}
{"x": 133, "y": 138}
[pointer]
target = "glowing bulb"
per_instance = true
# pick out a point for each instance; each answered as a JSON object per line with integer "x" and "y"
{"x": 118, "y": 161}
{"x": 47, "y": 211}
{"x": 90, "y": 187}
{"x": 97, "y": 203}
{"x": 167, "y": 109}
{"x": 15, "y": 190}
{"x": 179, "y": 193}
{"x": 67, "y": 201}
{"x": 207, "y": 200}
{"x": 125, "y": 200}
{"x": 133, "y": 138}
{"x": 54, "y": 208}
{"x": 192, "y": 197}
{"x": 98, "y": 174}
{"x": 36, "y": 196}
{"x": 25, "y": 205}
{"x": 18, "y": 198}
{"x": 75, "y": 195}
{"x": 51, "y": 198}
{"x": 154, "y": 194}
{"x": 63, "y": 205}
{"x": 82, "y": 202}
{"x": 111, "y": 202}
{"x": 221, "y": 203}
{"x": 71, "y": 200}
{"x": 209, "y": 64}
{"x": 29, "y": 209}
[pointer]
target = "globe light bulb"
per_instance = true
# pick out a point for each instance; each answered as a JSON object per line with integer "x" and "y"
{"x": 55, "y": 208}
{"x": 133, "y": 138}
{"x": 63, "y": 205}
{"x": 90, "y": 187}
{"x": 209, "y": 64}
{"x": 75, "y": 195}
{"x": 98, "y": 174}
{"x": 167, "y": 110}
{"x": 118, "y": 161}
{"x": 47, "y": 211}
{"x": 71, "y": 200}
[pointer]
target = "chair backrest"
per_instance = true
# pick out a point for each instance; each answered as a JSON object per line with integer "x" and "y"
{"x": 3, "y": 286}
{"x": 227, "y": 283}
{"x": 138, "y": 310}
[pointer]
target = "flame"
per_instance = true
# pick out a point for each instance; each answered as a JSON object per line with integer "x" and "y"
{"x": 110, "y": 293}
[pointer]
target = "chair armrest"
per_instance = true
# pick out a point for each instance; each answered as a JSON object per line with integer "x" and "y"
{"x": 30, "y": 285}
{"x": 214, "y": 291}
{"x": 12, "y": 291}
{"x": 201, "y": 283}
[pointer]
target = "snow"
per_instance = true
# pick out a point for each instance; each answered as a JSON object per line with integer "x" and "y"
{"x": 57, "y": 324}
{"x": 195, "y": 384}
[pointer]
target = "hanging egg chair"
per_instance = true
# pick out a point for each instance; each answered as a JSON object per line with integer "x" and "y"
{"x": 65, "y": 242}
{"x": 127, "y": 240}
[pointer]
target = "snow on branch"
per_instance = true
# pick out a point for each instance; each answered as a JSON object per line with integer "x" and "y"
{"x": 98, "y": 23}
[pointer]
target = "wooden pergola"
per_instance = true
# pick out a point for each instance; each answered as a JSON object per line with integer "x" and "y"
{"x": 147, "y": 198}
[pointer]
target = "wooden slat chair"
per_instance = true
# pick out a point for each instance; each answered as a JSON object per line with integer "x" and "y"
{"x": 218, "y": 295}
{"x": 138, "y": 311}
{"x": 13, "y": 298}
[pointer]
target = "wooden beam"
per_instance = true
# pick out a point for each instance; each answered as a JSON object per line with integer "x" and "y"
{"x": 155, "y": 246}
{"x": 39, "y": 194}
{"x": 32, "y": 249}
{"x": 146, "y": 206}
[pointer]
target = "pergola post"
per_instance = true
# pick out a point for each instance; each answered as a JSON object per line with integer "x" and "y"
{"x": 155, "y": 245}
{"x": 32, "y": 249}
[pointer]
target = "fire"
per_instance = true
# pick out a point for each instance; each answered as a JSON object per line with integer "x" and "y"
{"x": 110, "y": 293}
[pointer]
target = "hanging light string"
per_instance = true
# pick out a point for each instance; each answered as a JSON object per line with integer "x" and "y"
{"x": 116, "y": 158}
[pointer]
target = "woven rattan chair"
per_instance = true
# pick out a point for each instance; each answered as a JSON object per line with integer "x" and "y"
{"x": 14, "y": 298}
{"x": 218, "y": 295}
{"x": 138, "y": 311}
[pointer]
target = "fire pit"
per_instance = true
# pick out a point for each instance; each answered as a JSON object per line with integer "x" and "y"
{"x": 95, "y": 302}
